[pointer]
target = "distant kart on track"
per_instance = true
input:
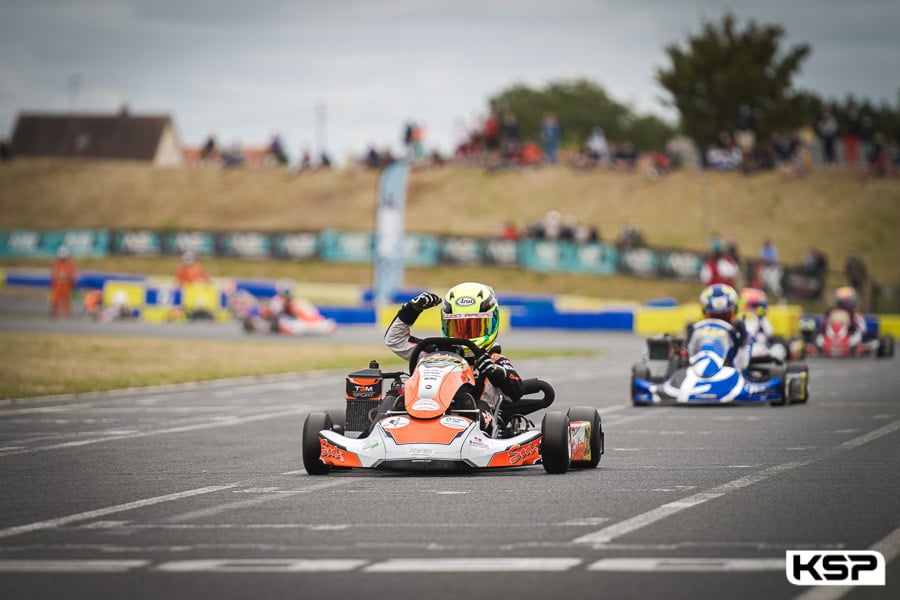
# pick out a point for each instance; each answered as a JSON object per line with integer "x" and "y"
{"x": 673, "y": 373}
{"x": 833, "y": 340}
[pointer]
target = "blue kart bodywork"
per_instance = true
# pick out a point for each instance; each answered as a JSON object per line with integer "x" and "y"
{"x": 701, "y": 373}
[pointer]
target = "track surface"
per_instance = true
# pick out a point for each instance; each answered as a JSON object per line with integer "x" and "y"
{"x": 198, "y": 491}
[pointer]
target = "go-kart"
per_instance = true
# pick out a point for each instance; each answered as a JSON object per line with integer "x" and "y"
{"x": 674, "y": 372}
{"x": 428, "y": 422}
{"x": 833, "y": 339}
{"x": 303, "y": 318}
{"x": 764, "y": 346}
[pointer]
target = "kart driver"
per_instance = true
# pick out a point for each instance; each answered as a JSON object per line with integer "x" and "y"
{"x": 719, "y": 302}
{"x": 754, "y": 302}
{"x": 468, "y": 310}
{"x": 281, "y": 303}
{"x": 845, "y": 299}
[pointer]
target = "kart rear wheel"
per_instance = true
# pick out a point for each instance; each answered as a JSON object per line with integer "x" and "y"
{"x": 556, "y": 447}
{"x": 885, "y": 347}
{"x": 590, "y": 414}
{"x": 312, "y": 449}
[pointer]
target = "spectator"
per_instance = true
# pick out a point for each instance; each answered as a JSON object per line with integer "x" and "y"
{"x": 866, "y": 137}
{"x": 878, "y": 161}
{"x": 827, "y": 128}
{"x": 531, "y": 154}
{"x": 626, "y": 155}
{"x": 631, "y": 237}
{"x": 852, "y": 131}
{"x": 598, "y": 148}
{"x": 745, "y": 136}
{"x": 767, "y": 275}
{"x": 324, "y": 160}
{"x": 190, "y": 271}
{"x": 373, "y": 160}
{"x": 551, "y": 136}
{"x": 815, "y": 262}
{"x": 719, "y": 268}
{"x": 725, "y": 155}
{"x": 508, "y": 231}
{"x": 210, "y": 151}
{"x": 276, "y": 150}
{"x": 510, "y": 137}
{"x": 63, "y": 278}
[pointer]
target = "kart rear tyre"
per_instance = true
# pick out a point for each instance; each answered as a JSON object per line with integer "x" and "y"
{"x": 885, "y": 347}
{"x": 314, "y": 423}
{"x": 556, "y": 447}
{"x": 590, "y": 414}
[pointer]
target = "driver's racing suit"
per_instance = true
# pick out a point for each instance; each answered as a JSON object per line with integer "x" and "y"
{"x": 486, "y": 392}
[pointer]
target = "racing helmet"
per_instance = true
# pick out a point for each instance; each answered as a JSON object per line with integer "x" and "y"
{"x": 754, "y": 300}
{"x": 845, "y": 297}
{"x": 470, "y": 310}
{"x": 284, "y": 287}
{"x": 719, "y": 301}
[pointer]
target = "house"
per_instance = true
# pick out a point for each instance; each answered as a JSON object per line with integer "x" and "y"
{"x": 150, "y": 138}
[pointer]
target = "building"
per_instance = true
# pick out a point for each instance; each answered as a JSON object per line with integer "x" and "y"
{"x": 124, "y": 136}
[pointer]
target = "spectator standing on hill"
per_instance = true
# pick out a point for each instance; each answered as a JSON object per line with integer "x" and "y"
{"x": 276, "y": 150}
{"x": 63, "y": 278}
{"x": 210, "y": 151}
{"x": 767, "y": 275}
{"x": 866, "y": 137}
{"x": 878, "y": 160}
{"x": 745, "y": 136}
{"x": 550, "y": 136}
{"x": 719, "y": 268}
{"x": 856, "y": 273}
{"x": 510, "y": 136}
{"x": 852, "y": 132}
{"x": 598, "y": 148}
{"x": 827, "y": 128}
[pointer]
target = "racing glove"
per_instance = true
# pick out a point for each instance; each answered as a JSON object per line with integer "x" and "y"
{"x": 411, "y": 310}
{"x": 487, "y": 367}
{"x": 425, "y": 300}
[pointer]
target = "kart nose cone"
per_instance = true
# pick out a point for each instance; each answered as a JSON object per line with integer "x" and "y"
{"x": 706, "y": 365}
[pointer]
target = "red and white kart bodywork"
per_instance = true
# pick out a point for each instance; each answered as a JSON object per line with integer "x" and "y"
{"x": 834, "y": 340}
{"x": 305, "y": 318}
{"x": 426, "y": 429}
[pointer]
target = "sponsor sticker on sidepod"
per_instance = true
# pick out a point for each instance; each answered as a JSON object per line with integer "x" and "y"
{"x": 455, "y": 422}
{"x": 835, "y": 567}
{"x": 395, "y": 422}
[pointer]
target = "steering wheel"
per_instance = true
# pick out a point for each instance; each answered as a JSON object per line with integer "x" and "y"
{"x": 441, "y": 343}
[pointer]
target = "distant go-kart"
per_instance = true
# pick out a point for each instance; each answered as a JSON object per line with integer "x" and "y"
{"x": 422, "y": 424}
{"x": 305, "y": 318}
{"x": 833, "y": 339}
{"x": 673, "y": 373}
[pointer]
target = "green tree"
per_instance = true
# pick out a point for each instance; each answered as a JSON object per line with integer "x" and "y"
{"x": 580, "y": 106}
{"x": 723, "y": 68}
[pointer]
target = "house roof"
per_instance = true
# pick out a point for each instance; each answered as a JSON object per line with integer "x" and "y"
{"x": 120, "y": 135}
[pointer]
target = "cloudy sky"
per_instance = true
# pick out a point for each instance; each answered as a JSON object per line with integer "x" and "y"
{"x": 345, "y": 74}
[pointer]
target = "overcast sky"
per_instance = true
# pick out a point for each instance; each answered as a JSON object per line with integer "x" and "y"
{"x": 349, "y": 73}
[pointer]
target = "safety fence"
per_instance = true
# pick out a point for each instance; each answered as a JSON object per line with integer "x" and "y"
{"x": 420, "y": 250}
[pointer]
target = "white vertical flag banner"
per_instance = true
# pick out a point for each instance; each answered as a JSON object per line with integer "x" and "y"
{"x": 390, "y": 228}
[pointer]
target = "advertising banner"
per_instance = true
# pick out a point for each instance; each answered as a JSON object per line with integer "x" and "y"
{"x": 346, "y": 246}
{"x": 462, "y": 251}
{"x": 641, "y": 262}
{"x": 22, "y": 243}
{"x": 135, "y": 242}
{"x": 680, "y": 264}
{"x": 504, "y": 253}
{"x": 390, "y": 229}
{"x": 421, "y": 250}
{"x": 249, "y": 244}
{"x": 296, "y": 246}
{"x": 599, "y": 259}
{"x": 201, "y": 243}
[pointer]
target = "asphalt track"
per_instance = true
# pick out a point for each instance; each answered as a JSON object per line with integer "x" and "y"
{"x": 197, "y": 491}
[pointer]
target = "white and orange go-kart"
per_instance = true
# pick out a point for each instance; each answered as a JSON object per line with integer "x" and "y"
{"x": 421, "y": 424}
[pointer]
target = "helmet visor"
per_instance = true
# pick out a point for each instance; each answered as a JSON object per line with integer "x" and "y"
{"x": 470, "y": 326}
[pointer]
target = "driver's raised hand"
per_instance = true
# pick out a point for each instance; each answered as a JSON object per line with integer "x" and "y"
{"x": 423, "y": 301}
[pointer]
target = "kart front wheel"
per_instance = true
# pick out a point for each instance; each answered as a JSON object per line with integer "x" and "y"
{"x": 589, "y": 414}
{"x": 556, "y": 446}
{"x": 311, "y": 448}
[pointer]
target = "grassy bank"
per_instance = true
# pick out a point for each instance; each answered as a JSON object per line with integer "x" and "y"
{"x": 835, "y": 210}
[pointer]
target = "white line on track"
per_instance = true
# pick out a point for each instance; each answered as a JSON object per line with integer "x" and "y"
{"x": 472, "y": 565}
{"x": 608, "y": 534}
{"x": 109, "y": 510}
{"x": 226, "y": 422}
{"x": 692, "y": 565}
{"x": 70, "y": 566}
{"x": 249, "y": 565}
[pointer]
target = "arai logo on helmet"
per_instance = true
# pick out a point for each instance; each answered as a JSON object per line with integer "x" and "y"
{"x": 465, "y": 301}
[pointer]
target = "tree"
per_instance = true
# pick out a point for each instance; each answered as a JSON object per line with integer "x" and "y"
{"x": 579, "y": 107}
{"x": 722, "y": 69}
